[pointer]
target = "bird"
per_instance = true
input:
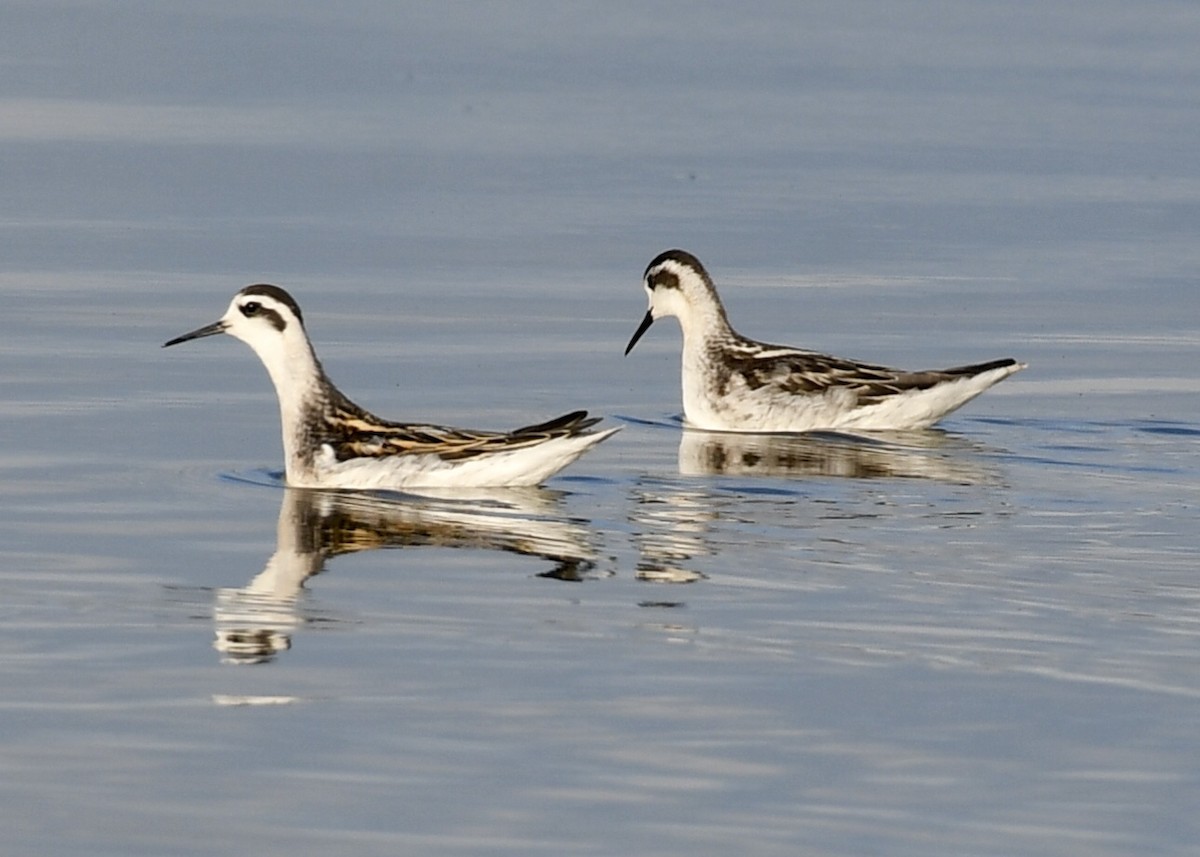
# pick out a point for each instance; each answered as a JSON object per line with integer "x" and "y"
{"x": 731, "y": 383}
{"x": 330, "y": 442}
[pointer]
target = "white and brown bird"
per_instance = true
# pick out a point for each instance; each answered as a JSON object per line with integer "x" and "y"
{"x": 330, "y": 442}
{"x": 731, "y": 383}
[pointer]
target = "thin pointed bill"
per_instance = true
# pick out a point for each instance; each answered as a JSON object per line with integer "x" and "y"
{"x": 200, "y": 332}
{"x": 642, "y": 328}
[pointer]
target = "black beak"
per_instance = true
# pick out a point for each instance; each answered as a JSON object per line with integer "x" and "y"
{"x": 642, "y": 328}
{"x": 208, "y": 330}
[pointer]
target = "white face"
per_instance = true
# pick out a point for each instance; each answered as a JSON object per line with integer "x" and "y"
{"x": 263, "y": 317}
{"x": 665, "y": 298}
{"x": 258, "y": 320}
{"x": 666, "y": 301}
{"x": 677, "y": 284}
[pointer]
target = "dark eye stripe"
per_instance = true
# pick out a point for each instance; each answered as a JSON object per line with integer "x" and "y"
{"x": 254, "y": 308}
{"x": 665, "y": 279}
{"x": 277, "y": 294}
{"x": 275, "y": 318}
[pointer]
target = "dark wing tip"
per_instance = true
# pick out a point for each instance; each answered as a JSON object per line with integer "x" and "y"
{"x": 571, "y": 423}
{"x": 978, "y": 368}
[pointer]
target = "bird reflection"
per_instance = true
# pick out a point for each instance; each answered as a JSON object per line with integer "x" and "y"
{"x": 929, "y": 454}
{"x": 254, "y": 623}
{"x": 674, "y": 524}
{"x": 670, "y": 526}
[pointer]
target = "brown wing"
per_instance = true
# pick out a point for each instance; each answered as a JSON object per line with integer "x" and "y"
{"x": 353, "y": 433}
{"x": 805, "y": 373}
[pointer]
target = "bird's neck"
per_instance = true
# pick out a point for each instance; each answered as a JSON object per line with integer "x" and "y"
{"x": 303, "y": 392}
{"x": 705, "y": 323}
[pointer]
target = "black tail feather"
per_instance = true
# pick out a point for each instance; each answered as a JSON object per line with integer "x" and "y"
{"x": 571, "y": 423}
{"x": 979, "y": 368}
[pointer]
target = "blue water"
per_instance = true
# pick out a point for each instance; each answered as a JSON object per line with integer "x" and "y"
{"x": 978, "y": 640}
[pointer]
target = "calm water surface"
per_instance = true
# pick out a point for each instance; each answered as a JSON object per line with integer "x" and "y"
{"x": 982, "y": 639}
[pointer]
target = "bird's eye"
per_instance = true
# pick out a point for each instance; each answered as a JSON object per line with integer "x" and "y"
{"x": 251, "y": 309}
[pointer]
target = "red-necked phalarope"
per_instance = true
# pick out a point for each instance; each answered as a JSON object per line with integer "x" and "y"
{"x": 330, "y": 442}
{"x": 731, "y": 383}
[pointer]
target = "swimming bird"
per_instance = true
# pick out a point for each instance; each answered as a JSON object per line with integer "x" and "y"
{"x": 330, "y": 442}
{"x": 731, "y": 383}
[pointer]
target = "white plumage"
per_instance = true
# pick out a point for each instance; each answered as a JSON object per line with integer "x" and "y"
{"x": 731, "y": 383}
{"x": 330, "y": 442}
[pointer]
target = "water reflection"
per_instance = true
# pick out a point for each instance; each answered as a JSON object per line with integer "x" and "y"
{"x": 929, "y": 454}
{"x": 670, "y": 526}
{"x": 254, "y": 623}
{"x": 677, "y": 523}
